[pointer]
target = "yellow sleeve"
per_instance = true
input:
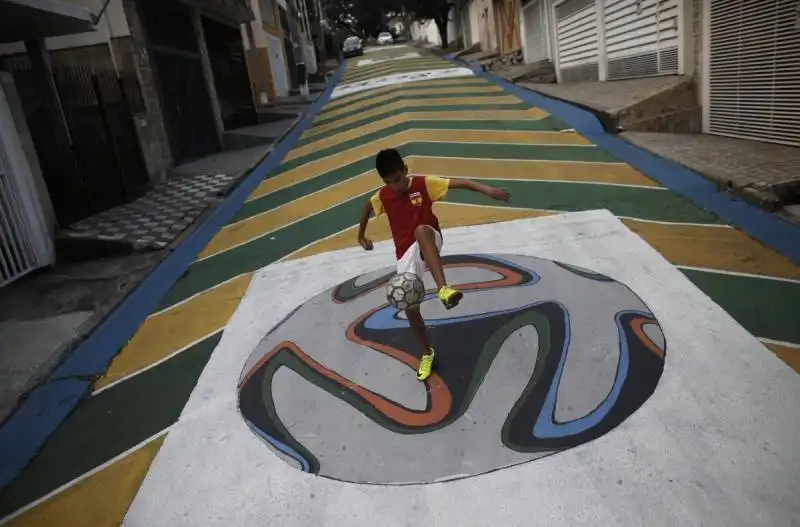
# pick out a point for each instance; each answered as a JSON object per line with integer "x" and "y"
{"x": 437, "y": 187}
{"x": 377, "y": 204}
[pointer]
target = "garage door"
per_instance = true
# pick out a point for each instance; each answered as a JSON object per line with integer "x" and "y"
{"x": 642, "y": 38}
{"x": 533, "y": 17}
{"x": 576, "y": 37}
{"x": 754, "y": 70}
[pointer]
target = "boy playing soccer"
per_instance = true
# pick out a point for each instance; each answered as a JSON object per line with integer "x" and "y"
{"x": 408, "y": 204}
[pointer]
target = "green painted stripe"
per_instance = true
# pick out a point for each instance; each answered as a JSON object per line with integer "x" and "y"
{"x": 263, "y": 251}
{"x": 322, "y": 119}
{"x": 411, "y": 87}
{"x": 398, "y": 111}
{"x": 285, "y": 195}
{"x": 636, "y": 202}
{"x": 400, "y": 127}
{"x": 471, "y": 151}
{"x": 547, "y": 123}
{"x": 110, "y": 423}
{"x": 765, "y": 308}
{"x": 624, "y": 201}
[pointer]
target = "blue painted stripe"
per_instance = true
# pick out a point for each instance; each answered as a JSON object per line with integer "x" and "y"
{"x": 26, "y": 430}
{"x": 771, "y": 230}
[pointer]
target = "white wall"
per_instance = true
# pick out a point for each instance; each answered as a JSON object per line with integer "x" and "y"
{"x": 426, "y": 32}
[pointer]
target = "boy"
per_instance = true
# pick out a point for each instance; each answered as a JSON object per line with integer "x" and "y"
{"x": 408, "y": 204}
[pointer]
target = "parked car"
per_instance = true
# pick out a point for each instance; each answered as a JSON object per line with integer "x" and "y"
{"x": 352, "y": 47}
{"x": 385, "y": 38}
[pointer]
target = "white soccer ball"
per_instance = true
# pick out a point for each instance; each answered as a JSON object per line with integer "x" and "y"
{"x": 405, "y": 291}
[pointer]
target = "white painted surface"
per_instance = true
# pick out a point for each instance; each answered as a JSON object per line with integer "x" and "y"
{"x": 716, "y": 445}
{"x": 404, "y": 56}
{"x": 400, "y": 78}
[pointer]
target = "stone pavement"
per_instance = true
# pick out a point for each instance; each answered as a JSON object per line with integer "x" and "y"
{"x": 763, "y": 173}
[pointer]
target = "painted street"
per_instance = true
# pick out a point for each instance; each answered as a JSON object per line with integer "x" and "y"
{"x": 161, "y": 440}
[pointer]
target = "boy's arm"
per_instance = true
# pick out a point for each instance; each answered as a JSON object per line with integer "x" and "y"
{"x": 369, "y": 207}
{"x": 499, "y": 194}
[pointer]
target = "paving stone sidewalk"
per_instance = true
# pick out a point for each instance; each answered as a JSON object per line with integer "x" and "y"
{"x": 763, "y": 173}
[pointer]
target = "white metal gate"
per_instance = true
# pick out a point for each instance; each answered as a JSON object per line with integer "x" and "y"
{"x": 277, "y": 65}
{"x": 535, "y": 36}
{"x": 576, "y": 38}
{"x": 753, "y": 88}
{"x": 17, "y": 256}
{"x": 642, "y": 37}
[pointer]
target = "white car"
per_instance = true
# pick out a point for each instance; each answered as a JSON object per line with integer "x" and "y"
{"x": 385, "y": 38}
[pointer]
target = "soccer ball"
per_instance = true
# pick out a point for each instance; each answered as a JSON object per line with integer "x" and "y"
{"x": 405, "y": 291}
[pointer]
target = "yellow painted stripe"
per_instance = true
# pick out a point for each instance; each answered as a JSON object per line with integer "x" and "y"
{"x": 317, "y": 167}
{"x": 455, "y": 90}
{"x": 618, "y": 173}
{"x": 459, "y": 136}
{"x": 791, "y": 356}
{"x": 713, "y": 248}
{"x": 255, "y": 227}
{"x": 100, "y": 500}
{"x": 449, "y": 214}
{"x": 533, "y": 114}
{"x": 399, "y": 105}
{"x": 471, "y": 83}
{"x": 169, "y": 331}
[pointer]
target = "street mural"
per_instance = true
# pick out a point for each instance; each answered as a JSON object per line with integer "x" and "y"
{"x": 539, "y": 357}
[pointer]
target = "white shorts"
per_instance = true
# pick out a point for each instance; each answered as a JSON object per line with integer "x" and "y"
{"x": 412, "y": 262}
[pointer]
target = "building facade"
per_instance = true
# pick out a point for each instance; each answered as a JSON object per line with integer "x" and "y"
{"x": 742, "y": 57}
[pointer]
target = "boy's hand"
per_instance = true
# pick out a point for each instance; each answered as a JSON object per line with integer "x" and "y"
{"x": 500, "y": 194}
{"x": 365, "y": 243}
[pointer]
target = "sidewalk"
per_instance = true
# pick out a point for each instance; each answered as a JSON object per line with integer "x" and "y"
{"x": 102, "y": 259}
{"x": 660, "y": 115}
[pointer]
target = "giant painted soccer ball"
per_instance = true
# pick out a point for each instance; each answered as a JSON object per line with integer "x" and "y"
{"x": 539, "y": 357}
{"x": 405, "y": 290}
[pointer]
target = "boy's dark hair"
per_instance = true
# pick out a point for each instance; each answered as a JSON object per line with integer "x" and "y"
{"x": 388, "y": 162}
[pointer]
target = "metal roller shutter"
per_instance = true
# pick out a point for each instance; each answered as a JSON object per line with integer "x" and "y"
{"x": 754, "y": 70}
{"x": 642, "y": 37}
{"x": 576, "y": 33}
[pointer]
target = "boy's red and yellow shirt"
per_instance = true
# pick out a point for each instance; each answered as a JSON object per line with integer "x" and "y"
{"x": 408, "y": 209}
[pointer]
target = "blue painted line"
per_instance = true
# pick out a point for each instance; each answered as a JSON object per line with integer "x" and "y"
{"x": 772, "y": 231}
{"x": 26, "y": 430}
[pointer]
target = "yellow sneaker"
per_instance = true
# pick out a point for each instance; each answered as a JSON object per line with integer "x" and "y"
{"x": 426, "y": 365}
{"x": 450, "y": 296}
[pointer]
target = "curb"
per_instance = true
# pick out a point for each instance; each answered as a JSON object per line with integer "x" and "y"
{"x": 769, "y": 229}
{"x": 45, "y": 407}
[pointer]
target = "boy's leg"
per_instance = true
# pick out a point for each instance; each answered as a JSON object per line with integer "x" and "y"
{"x": 418, "y": 327}
{"x": 429, "y": 242}
{"x": 411, "y": 262}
